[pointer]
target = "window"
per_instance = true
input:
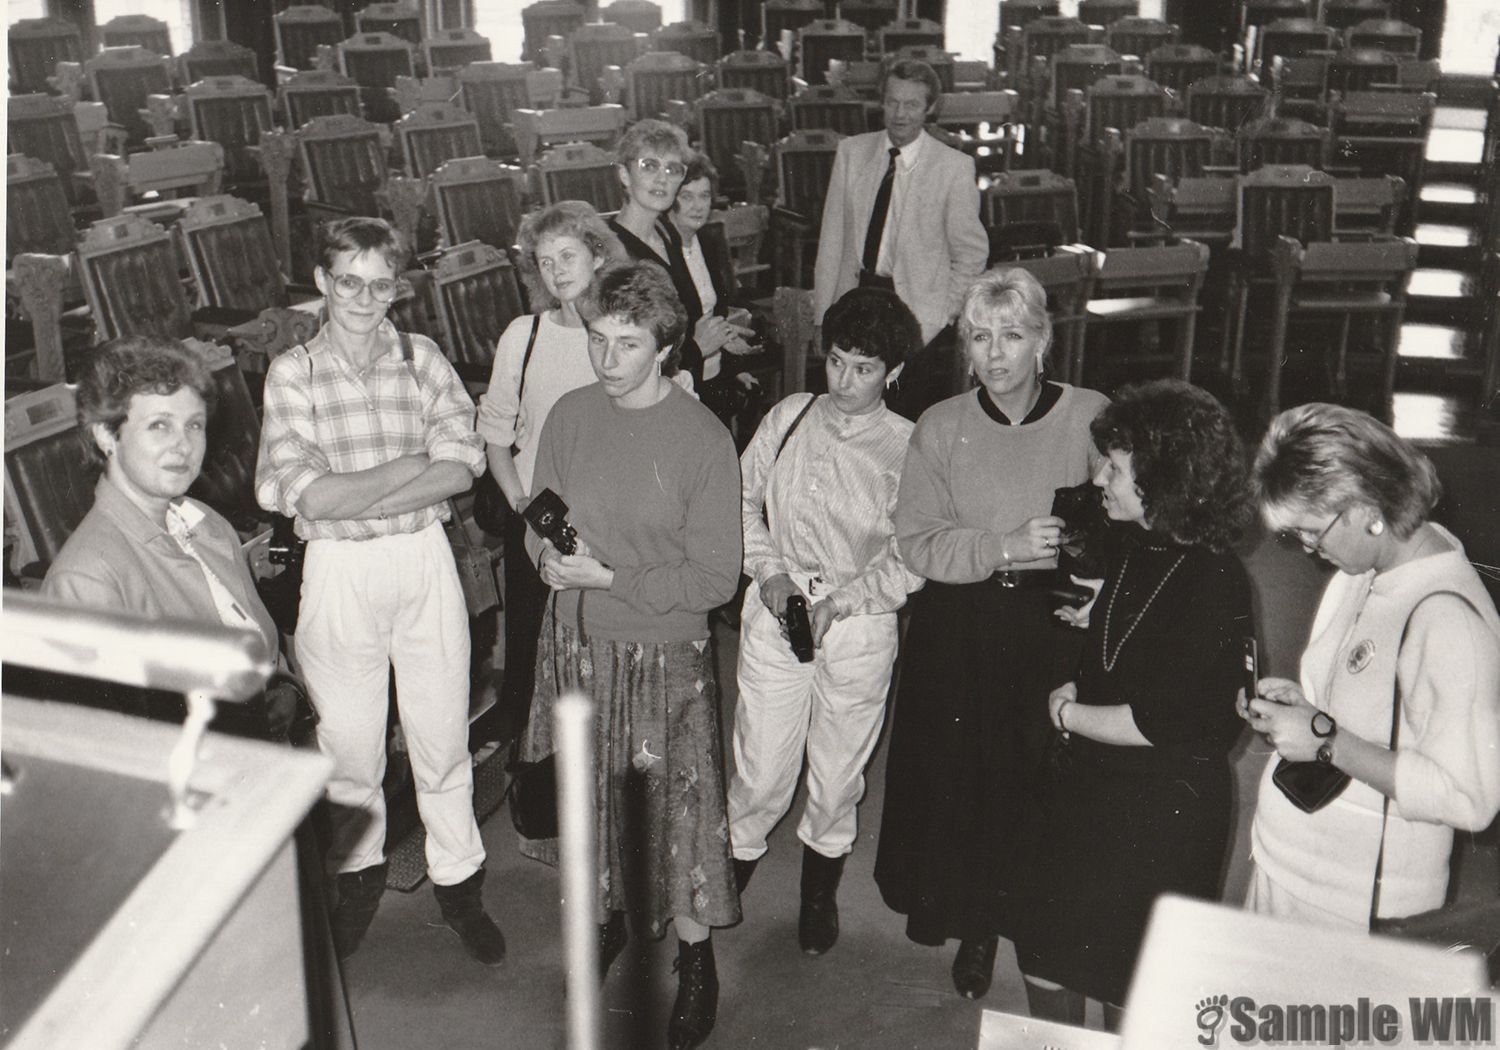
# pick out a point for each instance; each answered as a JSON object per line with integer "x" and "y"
{"x": 19, "y": 9}
{"x": 176, "y": 13}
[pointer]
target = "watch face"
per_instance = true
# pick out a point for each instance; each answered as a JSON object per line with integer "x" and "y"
{"x": 1325, "y": 754}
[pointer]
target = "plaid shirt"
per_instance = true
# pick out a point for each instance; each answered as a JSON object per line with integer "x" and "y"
{"x": 321, "y": 417}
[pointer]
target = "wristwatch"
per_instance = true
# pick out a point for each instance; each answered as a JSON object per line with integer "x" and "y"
{"x": 1325, "y": 733}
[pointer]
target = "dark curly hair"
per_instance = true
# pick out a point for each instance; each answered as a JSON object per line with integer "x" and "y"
{"x": 872, "y": 322}
{"x": 136, "y": 364}
{"x": 643, "y": 294}
{"x": 1189, "y": 462}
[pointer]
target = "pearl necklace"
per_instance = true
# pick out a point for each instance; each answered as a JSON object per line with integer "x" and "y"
{"x": 1109, "y": 612}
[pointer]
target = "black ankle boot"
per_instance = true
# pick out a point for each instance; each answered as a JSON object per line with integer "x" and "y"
{"x": 743, "y": 869}
{"x": 973, "y": 967}
{"x": 818, "y": 925}
{"x": 1062, "y": 1005}
{"x": 359, "y": 897}
{"x": 697, "y": 1005}
{"x": 613, "y": 936}
{"x": 463, "y": 911}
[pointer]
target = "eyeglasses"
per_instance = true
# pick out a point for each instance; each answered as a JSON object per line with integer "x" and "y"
{"x": 382, "y": 289}
{"x": 650, "y": 166}
{"x": 1316, "y": 546}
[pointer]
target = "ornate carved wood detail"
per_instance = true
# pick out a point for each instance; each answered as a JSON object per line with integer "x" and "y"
{"x": 405, "y": 197}
{"x": 162, "y": 113}
{"x": 70, "y": 81}
{"x": 111, "y": 182}
{"x": 274, "y": 330}
{"x": 39, "y": 281}
{"x": 277, "y": 149}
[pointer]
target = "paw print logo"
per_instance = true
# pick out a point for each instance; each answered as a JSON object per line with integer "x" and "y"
{"x": 1211, "y": 1018}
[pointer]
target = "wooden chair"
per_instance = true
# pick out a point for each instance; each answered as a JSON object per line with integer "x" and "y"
{"x": 691, "y": 39}
{"x": 804, "y": 165}
{"x": 1018, "y": 14}
{"x": 234, "y": 112}
{"x": 536, "y": 130}
{"x": 129, "y": 271}
{"x": 548, "y": 18}
{"x": 1366, "y": 209}
{"x": 794, "y": 332}
{"x": 1107, "y": 12}
{"x": 123, "y": 78}
{"x": 824, "y": 40}
{"x": 1300, "y": 86}
{"x": 411, "y": 93}
{"x": 1293, "y": 38}
{"x": 594, "y": 46}
{"x": 36, "y": 46}
{"x": 660, "y": 77}
{"x": 38, "y": 216}
{"x": 1048, "y": 35}
{"x": 1198, "y": 209}
{"x": 789, "y": 17}
{"x": 1281, "y": 140}
{"x": 493, "y": 91}
{"x": 943, "y": 63}
{"x": 343, "y": 162}
{"x": 1028, "y": 214}
{"x": 1078, "y": 66}
{"x": 217, "y": 58}
{"x": 449, "y": 50}
{"x": 580, "y": 171}
{"x": 478, "y": 199}
{"x": 829, "y": 107}
{"x": 1389, "y": 35}
{"x": 1343, "y": 281}
{"x": 318, "y": 93}
{"x": 1165, "y": 147}
{"x": 43, "y": 127}
{"x": 300, "y": 30}
{"x": 49, "y": 475}
{"x": 1417, "y": 74}
{"x": 1384, "y": 133}
{"x": 234, "y": 263}
{"x": 1362, "y": 69}
{"x": 196, "y": 168}
{"x": 988, "y": 124}
{"x": 478, "y": 294}
{"x": 400, "y": 20}
{"x": 1065, "y": 276}
{"x": 1176, "y": 66}
{"x": 374, "y": 61}
{"x": 744, "y": 227}
{"x": 909, "y": 32}
{"x": 137, "y": 31}
{"x": 727, "y": 118}
{"x": 1344, "y": 14}
{"x": 861, "y": 77}
{"x": 762, "y": 71}
{"x": 869, "y": 15}
{"x": 638, "y": 16}
{"x": 1135, "y": 285}
{"x": 1227, "y": 102}
{"x": 433, "y": 134}
{"x": 226, "y": 481}
{"x": 1139, "y": 36}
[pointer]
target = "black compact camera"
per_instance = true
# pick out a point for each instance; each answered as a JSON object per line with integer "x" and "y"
{"x": 547, "y": 514}
{"x": 799, "y": 628}
{"x": 1084, "y": 526}
{"x": 285, "y": 547}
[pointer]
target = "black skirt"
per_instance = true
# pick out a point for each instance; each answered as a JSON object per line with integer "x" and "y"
{"x": 969, "y": 728}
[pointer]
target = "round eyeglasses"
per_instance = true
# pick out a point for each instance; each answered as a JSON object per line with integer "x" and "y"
{"x": 382, "y": 289}
{"x": 1314, "y": 546}
{"x": 650, "y": 166}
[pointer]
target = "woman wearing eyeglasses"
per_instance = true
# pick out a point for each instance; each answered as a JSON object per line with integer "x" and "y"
{"x": 1399, "y": 684}
{"x": 367, "y": 433}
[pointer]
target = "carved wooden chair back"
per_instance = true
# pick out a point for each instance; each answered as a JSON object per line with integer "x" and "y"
{"x": 1281, "y": 140}
{"x": 449, "y": 50}
{"x": 869, "y": 15}
{"x": 478, "y": 293}
{"x": 1290, "y": 200}
{"x": 1171, "y": 146}
{"x": 804, "y": 164}
{"x": 537, "y": 130}
{"x": 318, "y": 93}
{"x": 217, "y": 58}
{"x": 137, "y": 31}
{"x": 435, "y": 133}
{"x": 909, "y": 32}
{"x": 1139, "y": 36}
{"x": 122, "y": 78}
{"x": 1078, "y": 66}
{"x": 229, "y": 249}
{"x": 344, "y": 161}
{"x": 493, "y": 91}
{"x": 691, "y": 39}
{"x": 129, "y": 271}
{"x": 1226, "y": 102}
{"x": 1107, "y": 12}
{"x": 1175, "y": 66}
{"x": 1362, "y": 69}
{"x": 1345, "y": 14}
{"x": 779, "y": 17}
{"x": 593, "y": 46}
{"x": 729, "y": 117}
{"x": 548, "y": 18}
{"x": 36, "y": 46}
{"x": 44, "y": 127}
{"x": 374, "y": 61}
{"x": 580, "y": 171}
{"x": 49, "y": 474}
{"x": 303, "y": 28}
{"x": 234, "y": 112}
{"x": 38, "y": 216}
{"x": 638, "y": 16}
{"x": 763, "y": 71}
{"x": 1396, "y": 37}
{"x": 822, "y": 41}
{"x": 478, "y": 199}
{"x": 829, "y": 107}
{"x": 658, "y": 77}
{"x": 402, "y": 20}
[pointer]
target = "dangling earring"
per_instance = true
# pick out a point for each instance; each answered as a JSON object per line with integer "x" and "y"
{"x": 1377, "y": 527}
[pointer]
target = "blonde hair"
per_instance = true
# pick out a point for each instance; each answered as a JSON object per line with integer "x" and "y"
{"x": 1010, "y": 295}
{"x": 576, "y": 219}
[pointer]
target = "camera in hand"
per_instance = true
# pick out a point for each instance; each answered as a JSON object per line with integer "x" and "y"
{"x": 1084, "y": 525}
{"x": 799, "y": 628}
{"x": 285, "y": 547}
{"x": 547, "y": 514}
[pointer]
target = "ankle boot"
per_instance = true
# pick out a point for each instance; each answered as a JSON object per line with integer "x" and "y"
{"x": 818, "y": 925}
{"x": 1062, "y": 1005}
{"x": 697, "y": 1005}
{"x": 463, "y": 910}
{"x": 743, "y": 869}
{"x": 359, "y": 895}
{"x": 973, "y": 967}
{"x": 613, "y": 936}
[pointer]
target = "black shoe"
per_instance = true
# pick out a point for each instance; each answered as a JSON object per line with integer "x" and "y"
{"x": 973, "y": 967}
{"x": 463, "y": 911}
{"x": 613, "y": 936}
{"x": 697, "y": 1005}
{"x": 818, "y": 925}
{"x": 743, "y": 869}
{"x": 359, "y": 897}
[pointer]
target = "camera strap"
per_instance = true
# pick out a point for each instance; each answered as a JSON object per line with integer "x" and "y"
{"x": 797, "y": 422}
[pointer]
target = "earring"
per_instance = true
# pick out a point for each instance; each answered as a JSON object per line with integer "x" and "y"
{"x": 1377, "y": 527}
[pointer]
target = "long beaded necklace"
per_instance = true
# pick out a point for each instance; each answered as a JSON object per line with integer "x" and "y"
{"x": 1109, "y": 611}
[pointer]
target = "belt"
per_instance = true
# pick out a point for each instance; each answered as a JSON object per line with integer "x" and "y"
{"x": 875, "y": 280}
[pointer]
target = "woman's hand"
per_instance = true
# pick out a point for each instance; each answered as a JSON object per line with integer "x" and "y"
{"x": 823, "y": 616}
{"x": 564, "y": 572}
{"x": 711, "y": 333}
{"x": 1057, "y": 703}
{"x": 1078, "y": 615}
{"x": 1282, "y": 713}
{"x": 1033, "y": 540}
{"x": 775, "y": 592}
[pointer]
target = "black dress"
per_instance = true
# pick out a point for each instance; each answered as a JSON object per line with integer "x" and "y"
{"x": 1120, "y": 825}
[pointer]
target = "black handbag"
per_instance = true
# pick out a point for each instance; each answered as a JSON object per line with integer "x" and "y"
{"x": 532, "y": 797}
{"x": 491, "y": 509}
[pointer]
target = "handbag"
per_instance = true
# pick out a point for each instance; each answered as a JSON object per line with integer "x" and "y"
{"x": 532, "y": 797}
{"x": 491, "y": 509}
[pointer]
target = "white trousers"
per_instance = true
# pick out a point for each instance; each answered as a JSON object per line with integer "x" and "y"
{"x": 832, "y": 708}
{"x": 368, "y": 605}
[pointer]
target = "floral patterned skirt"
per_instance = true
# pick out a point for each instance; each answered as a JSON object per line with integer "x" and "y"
{"x": 662, "y": 832}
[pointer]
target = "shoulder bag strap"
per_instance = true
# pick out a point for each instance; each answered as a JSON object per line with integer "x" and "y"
{"x": 1385, "y": 802}
{"x": 536, "y": 323}
{"x": 787, "y": 436}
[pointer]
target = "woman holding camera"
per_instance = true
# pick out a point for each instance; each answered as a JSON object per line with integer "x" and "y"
{"x": 973, "y": 518}
{"x": 651, "y": 483}
{"x": 1400, "y": 680}
{"x": 1140, "y": 800}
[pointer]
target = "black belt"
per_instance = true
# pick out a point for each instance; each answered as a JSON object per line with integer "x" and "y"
{"x": 875, "y": 280}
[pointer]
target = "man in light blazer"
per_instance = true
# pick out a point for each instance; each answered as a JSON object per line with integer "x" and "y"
{"x": 930, "y": 245}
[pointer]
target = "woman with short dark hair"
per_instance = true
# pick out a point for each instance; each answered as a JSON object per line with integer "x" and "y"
{"x": 1143, "y": 802}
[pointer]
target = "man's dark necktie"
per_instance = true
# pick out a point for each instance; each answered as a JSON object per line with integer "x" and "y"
{"x": 877, "y": 216}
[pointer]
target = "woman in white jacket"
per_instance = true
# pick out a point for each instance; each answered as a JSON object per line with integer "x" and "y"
{"x": 1406, "y": 621}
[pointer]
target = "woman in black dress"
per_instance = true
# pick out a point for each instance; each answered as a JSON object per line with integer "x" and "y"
{"x": 1140, "y": 804}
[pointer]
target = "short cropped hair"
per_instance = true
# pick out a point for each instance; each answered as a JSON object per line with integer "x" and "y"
{"x": 1189, "y": 462}
{"x": 700, "y": 167}
{"x": 872, "y": 322}
{"x": 642, "y": 293}
{"x": 915, "y": 70}
{"x": 576, "y": 219}
{"x": 652, "y": 136}
{"x": 136, "y": 364}
{"x": 1009, "y": 295}
{"x": 360, "y": 234}
{"x": 1321, "y": 458}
